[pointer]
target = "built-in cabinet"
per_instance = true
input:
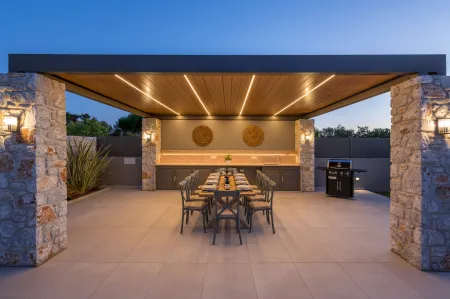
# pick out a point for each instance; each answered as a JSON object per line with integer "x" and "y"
{"x": 287, "y": 178}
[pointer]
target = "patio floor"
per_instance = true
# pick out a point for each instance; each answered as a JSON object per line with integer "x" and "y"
{"x": 125, "y": 243}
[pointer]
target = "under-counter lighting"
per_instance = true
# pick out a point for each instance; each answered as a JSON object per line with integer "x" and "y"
{"x": 220, "y": 154}
{"x": 192, "y": 87}
{"x": 307, "y": 93}
{"x": 146, "y": 94}
{"x": 246, "y": 96}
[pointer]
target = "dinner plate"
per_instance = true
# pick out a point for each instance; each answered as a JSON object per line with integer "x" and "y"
{"x": 209, "y": 187}
{"x": 244, "y": 187}
{"x": 242, "y": 183}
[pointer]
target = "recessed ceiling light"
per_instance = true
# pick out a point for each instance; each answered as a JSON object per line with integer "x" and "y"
{"x": 246, "y": 96}
{"x": 146, "y": 94}
{"x": 192, "y": 87}
{"x": 329, "y": 78}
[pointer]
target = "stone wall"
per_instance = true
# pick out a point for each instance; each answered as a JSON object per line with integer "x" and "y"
{"x": 151, "y": 152}
{"x": 33, "y": 191}
{"x": 304, "y": 150}
{"x": 420, "y": 170}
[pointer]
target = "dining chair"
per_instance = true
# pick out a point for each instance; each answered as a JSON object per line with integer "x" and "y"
{"x": 259, "y": 196}
{"x": 189, "y": 206}
{"x": 229, "y": 209}
{"x": 192, "y": 196}
{"x": 264, "y": 206}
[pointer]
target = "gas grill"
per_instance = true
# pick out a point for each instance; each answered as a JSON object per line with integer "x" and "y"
{"x": 340, "y": 177}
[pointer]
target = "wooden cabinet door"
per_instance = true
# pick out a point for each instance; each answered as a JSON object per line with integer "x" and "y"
{"x": 164, "y": 178}
{"x": 180, "y": 173}
{"x": 275, "y": 174}
{"x": 203, "y": 174}
{"x": 291, "y": 179}
{"x": 250, "y": 173}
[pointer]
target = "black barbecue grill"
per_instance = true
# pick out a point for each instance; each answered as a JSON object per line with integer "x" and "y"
{"x": 340, "y": 177}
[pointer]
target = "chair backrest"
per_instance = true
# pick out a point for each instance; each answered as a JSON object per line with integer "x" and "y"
{"x": 184, "y": 191}
{"x": 270, "y": 191}
{"x": 235, "y": 194}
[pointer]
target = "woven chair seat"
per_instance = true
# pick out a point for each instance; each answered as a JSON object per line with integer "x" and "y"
{"x": 259, "y": 205}
{"x": 196, "y": 198}
{"x": 195, "y": 205}
{"x": 257, "y": 198}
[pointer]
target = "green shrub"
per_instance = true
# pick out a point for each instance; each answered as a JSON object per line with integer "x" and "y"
{"x": 85, "y": 165}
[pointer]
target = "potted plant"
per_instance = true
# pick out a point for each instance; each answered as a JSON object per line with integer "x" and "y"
{"x": 227, "y": 159}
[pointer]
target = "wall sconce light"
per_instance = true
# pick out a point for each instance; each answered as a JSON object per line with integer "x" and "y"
{"x": 305, "y": 137}
{"x": 444, "y": 126}
{"x": 149, "y": 137}
{"x": 12, "y": 122}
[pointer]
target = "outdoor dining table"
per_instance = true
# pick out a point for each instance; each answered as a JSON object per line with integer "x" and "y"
{"x": 232, "y": 187}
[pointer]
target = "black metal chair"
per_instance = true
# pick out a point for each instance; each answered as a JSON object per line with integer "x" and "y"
{"x": 264, "y": 206}
{"x": 189, "y": 206}
{"x": 229, "y": 209}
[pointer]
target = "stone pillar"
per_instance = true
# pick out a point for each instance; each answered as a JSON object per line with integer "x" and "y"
{"x": 420, "y": 170}
{"x": 151, "y": 152}
{"x": 33, "y": 192}
{"x": 304, "y": 150}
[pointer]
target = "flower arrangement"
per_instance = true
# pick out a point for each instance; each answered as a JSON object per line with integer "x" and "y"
{"x": 227, "y": 158}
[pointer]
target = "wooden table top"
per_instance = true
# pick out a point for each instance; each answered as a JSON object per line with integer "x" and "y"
{"x": 233, "y": 187}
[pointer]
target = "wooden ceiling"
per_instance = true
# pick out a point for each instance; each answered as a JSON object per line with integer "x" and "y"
{"x": 224, "y": 94}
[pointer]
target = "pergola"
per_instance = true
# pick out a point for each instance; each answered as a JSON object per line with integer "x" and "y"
{"x": 231, "y": 87}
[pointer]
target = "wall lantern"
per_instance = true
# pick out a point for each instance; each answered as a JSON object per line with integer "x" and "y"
{"x": 12, "y": 122}
{"x": 305, "y": 137}
{"x": 444, "y": 126}
{"x": 149, "y": 137}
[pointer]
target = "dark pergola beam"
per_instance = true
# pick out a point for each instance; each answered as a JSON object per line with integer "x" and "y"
{"x": 337, "y": 64}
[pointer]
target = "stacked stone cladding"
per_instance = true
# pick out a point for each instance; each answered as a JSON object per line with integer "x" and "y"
{"x": 151, "y": 152}
{"x": 420, "y": 173}
{"x": 304, "y": 153}
{"x": 33, "y": 192}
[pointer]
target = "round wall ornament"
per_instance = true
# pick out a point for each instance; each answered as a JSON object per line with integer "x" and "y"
{"x": 202, "y": 135}
{"x": 253, "y": 135}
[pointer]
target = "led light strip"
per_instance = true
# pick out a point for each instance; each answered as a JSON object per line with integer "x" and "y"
{"x": 192, "y": 87}
{"x": 146, "y": 94}
{"x": 246, "y": 96}
{"x": 329, "y": 78}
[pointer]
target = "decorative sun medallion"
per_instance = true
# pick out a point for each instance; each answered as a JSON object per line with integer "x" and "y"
{"x": 202, "y": 135}
{"x": 253, "y": 136}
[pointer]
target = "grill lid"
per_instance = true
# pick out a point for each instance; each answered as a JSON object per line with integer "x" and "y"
{"x": 339, "y": 164}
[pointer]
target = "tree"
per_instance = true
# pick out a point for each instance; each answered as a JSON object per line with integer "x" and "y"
{"x": 361, "y": 132}
{"x": 128, "y": 125}
{"x": 85, "y": 125}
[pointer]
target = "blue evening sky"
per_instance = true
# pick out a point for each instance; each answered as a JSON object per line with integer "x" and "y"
{"x": 229, "y": 27}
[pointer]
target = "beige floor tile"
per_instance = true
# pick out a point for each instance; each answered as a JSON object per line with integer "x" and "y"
{"x": 229, "y": 281}
{"x": 378, "y": 282}
{"x": 279, "y": 281}
{"x": 190, "y": 248}
{"x": 78, "y": 282}
{"x": 153, "y": 247}
{"x": 20, "y": 282}
{"x": 266, "y": 248}
{"x": 183, "y": 281}
{"x": 431, "y": 285}
{"x": 302, "y": 247}
{"x": 130, "y": 281}
{"x": 328, "y": 280}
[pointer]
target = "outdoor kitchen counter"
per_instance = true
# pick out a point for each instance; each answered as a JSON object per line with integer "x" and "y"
{"x": 285, "y": 176}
